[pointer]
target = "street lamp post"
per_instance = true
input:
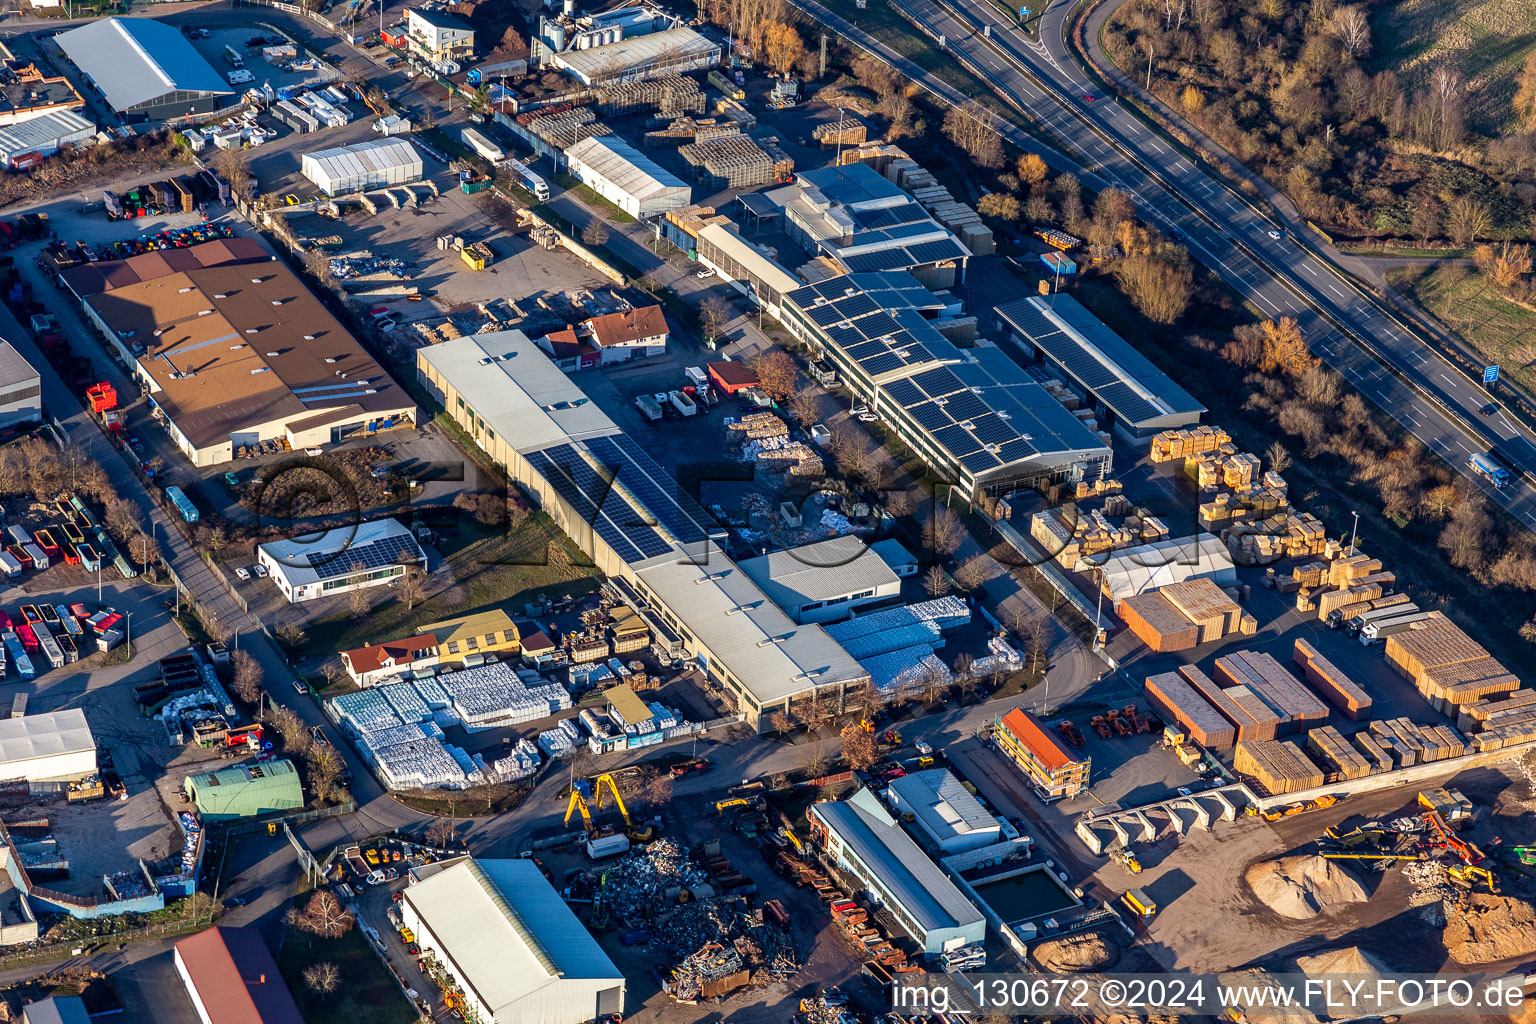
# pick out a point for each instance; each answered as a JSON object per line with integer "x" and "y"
{"x": 1353, "y": 532}
{"x": 1098, "y": 612}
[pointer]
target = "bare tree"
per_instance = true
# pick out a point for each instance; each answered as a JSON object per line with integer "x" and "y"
{"x": 936, "y": 582}
{"x": 973, "y": 128}
{"x": 973, "y": 572}
{"x": 412, "y": 585}
{"x": 781, "y": 722}
{"x": 322, "y": 978}
{"x": 1468, "y": 220}
{"x": 595, "y": 233}
{"x": 944, "y": 532}
{"x": 859, "y": 748}
{"x": 357, "y": 597}
{"x": 234, "y": 167}
{"x": 325, "y": 916}
{"x": 714, "y": 314}
{"x": 247, "y": 677}
{"x": 440, "y": 833}
{"x": 805, "y": 407}
{"x": 776, "y": 373}
{"x": 1161, "y": 290}
{"x": 1038, "y": 644}
{"x": 143, "y": 549}
{"x": 1352, "y": 28}
{"x": 325, "y": 768}
{"x": 1278, "y": 458}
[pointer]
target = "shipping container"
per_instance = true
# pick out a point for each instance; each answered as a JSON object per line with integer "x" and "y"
{"x": 19, "y": 535}
{"x": 50, "y": 648}
{"x": 17, "y": 654}
{"x": 607, "y": 846}
{"x": 90, "y": 561}
{"x": 10, "y": 564}
{"x": 39, "y": 559}
{"x": 19, "y": 706}
{"x": 183, "y": 504}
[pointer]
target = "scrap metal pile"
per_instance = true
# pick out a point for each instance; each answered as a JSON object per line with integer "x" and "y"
{"x": 344, "y": 267}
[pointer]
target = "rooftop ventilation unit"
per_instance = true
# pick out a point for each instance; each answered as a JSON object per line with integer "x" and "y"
{"x": 183, "y": 291}
{"x": 261, "y": 369}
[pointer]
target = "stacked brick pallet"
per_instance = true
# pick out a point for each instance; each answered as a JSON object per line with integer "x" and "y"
{"x": 1336, "y": 687}
{"x": 1174, "y": 697}
{"x": 1269, "y": 680}
{"x": 1448, "y": 667}
{"x": 1329, "y": 747}
{"x": 1157, "y": 623}
{"x": 1278, "y": 765}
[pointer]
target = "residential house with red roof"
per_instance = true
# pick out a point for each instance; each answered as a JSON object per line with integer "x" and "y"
{"x": 1053, "y": 771}
{"x": 631, "y": 334}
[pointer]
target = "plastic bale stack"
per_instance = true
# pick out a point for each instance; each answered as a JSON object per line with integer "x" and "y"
{"x": 1331, "y": 748}
{"x": 1176, "y": 699}
{"x": 1277, "y": 765}
{"x": 1205, "y": 604}
{"x": 1336, "y": 687}
{"x": 1157, "y": 623}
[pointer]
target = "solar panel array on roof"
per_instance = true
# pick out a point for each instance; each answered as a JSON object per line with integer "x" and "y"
{"x": 1100, "y": 360}
{"x": 363, "y": 557}
{"x": 880, "y": 338}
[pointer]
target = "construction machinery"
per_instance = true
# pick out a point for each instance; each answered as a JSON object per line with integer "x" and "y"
{"x": 1522, "y": 854}
{"x": 794, "y": 840}
{"x": 1071, "y": 733}
{"x": 1100, "y": 726}
{"x": 1339, "y": 855}
{"x": 587, "y": 795}
{"x": 1470, "y": 874}
{"x": 1357, "y": 837}
{"x": 1126, "y": 859}
{"x": 1133, "y": 718}
{"x": 1468, "y": 853}
{"x": 1177, "y": 742}
{"x": 1139, "y": 902}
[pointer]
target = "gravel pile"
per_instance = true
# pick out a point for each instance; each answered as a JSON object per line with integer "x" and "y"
{"x": 1301, "y": 888}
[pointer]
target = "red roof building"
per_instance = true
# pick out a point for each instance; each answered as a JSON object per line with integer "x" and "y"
{"x": 731, "y": 376}
{"x": 632, "y": 334}
{"x": 378, "y": 662}
{"x": 1053, "y": 770}
{"x": 232, "y": 979}
{"x": 569, "y": 351}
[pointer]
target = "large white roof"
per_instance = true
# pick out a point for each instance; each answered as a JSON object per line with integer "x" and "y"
{"x": 946, "y": 807}
{"x": 362, "y": 158}
{"x": 507, "y": 931}
{"x": 135, "y": 60}
{"x": 47, "y": 735}
{"x": 819, "y": 571}
{"x": 1148, "y": 567}
{"x": 629, "y": 170}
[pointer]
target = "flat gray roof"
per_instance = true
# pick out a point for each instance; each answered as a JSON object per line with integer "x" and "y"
{"x": 135, "y": 60}
{"x": 615, "y": 59}
{"x": 907, "y": 873}
{"x": 819, "y": 571}
{"x": 946, "y": 807}
{"x": 14, "y": 368}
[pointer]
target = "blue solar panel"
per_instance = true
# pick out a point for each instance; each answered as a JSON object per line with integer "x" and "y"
{"x": 989, "y": 429}
{"x": 929, "y": 416}
{"x": 579, "y": 486}
{"x": 904, "y": 393}
{"x": 364, "y": 557}
{"x": 877, "y": 325}
{"x": 938, "y": 382}
{"x": 885, "y": 362}
{"x": 957, "y": 441}
{"x": 965, "y": 405}
{"x": 822, "y": 316}
{"x": 653, "y": 488}
{"x": 978, "y": 462}
{"x": 856, "y": 305}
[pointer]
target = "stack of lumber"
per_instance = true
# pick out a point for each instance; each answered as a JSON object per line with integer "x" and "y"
{"x": 1297, "y": 535}
{"x": 1312, "y": 574}
{"x": 1178, "y": 444}
{"x": 1239, "y": 470}
{"x": 1346, "y": 569}
{"x": 1228, "y": 506}
{"x": 756, "y": 426}
{"x": 1493, "y": 711}
{"x": 1330, "y": 747}
{"x": 1448, "y": 667}
{"x": 1205, "y": 604}
{"x": 1336, "y": 687}
{"x": 1277, "y": 765}
{"x": 1173, "y": 697}
{"x": 1328, "y": 600}
{"x": 1157, "y": 623}
{"x": 1448, "y": 686}
{"x": 1053, "y": 533}
{"x": 1267, "y": 678}
{"x": 1409, "y": 744}
{"x": 1372, "y": 751}
{"x": 1249, "y": 715}
{"x": 1506, "y": 731}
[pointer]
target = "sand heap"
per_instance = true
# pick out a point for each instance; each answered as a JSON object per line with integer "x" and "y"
{"x": 1349, "y": 960}
{"x": 1482, "y": 929}
{"x": 1302, "y": 887}
{"x": 1090, "y": 951}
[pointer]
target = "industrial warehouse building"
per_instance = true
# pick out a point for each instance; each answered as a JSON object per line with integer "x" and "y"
{"x": 21, "y": 389}
{"x": 49, "y": 750}
{"x": 231, "y": 978}
{"x": 948, "y": 813}
{"x": 362, "y": 166}
{"x": 27, "y": 94}
{"x": 862, "y": 838}
{"x": 826, "y": 581}
{"x": 625, "y": 177}
{"x": 1128, "y": 392}
{"x": 745, "y": 267}
{"x": 245, "y": 791}
{"x": 239, "y": 353}
{"x": 338, "y": 561}
{"x": 29, "y": 142}
{"x": 632, "y": 519}
{"x": 973, "y": 414}
{"x": 146, "y": 70}
{"x": 512, "y": 945}
{"x": 1052, "y": 770}
{"x": 678, "y": 50}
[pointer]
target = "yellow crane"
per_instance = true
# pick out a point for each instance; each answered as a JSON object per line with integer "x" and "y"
{"x": 587, "y": 795}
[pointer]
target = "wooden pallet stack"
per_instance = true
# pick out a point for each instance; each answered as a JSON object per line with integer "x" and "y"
{"x": 1492, "y": 711}
{"x": 1171, "y": 445}
{"x": 1293, "y": 535}
{"x": 1277, "y": 765}
{"x": 1448, "y": 667}
{"x": 1336, "y": 687}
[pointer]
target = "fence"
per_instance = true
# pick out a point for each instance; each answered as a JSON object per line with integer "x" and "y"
{"x": 259, "y": 825}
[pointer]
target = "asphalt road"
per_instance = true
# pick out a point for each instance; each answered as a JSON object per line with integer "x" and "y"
{"x": 1220, "y": 228}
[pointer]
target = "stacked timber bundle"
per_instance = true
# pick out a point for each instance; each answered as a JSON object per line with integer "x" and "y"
{"x": 1056, "y": 535}
{"x": 1448, "y": 667}
{"x": 1336, "y": 687}
{"x": 1506, "y": 732}
{"x": 1329, "y": 600}
{"x": 1331, "y": 748}
{"x": 1492, "y": 711}
{"x": 1345, "y": 569}
{"x": 1265, "y": 720}
{"x": 1179, "y": 444}
{"x": 1409, "y": 744}
{"x": 1277, "y": 765}
{"x": 1258, "y": 724}
{"x": 1267, "y": 678}
{"x": 1175, "y": 698}
{"x": 1280, "y": 536}
{"x": 1205, "y": 604}
{"x": 1372, "y": 751}
{"x": 1157, "y": 623}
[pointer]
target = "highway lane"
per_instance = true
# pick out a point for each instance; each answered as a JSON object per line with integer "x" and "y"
{"x": 1224, "y": 232}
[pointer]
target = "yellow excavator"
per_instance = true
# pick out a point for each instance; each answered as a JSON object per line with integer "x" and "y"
{"x": 1470, "y": 874}
{"x": 587, "y": 795}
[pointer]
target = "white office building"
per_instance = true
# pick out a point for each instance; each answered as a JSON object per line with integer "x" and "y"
{"x": 826, "y": 581}
{"x": 945, "y": 811}
{"x": 337, "y": 561}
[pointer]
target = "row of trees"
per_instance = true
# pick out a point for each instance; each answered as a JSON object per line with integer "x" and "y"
{"x": 323, "y": 763}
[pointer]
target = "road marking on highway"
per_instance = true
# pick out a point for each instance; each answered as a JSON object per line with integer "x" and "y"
{"x": 1336, "y": 291}
{"x": 1308, "y": 268}
{"x": 1447, "y": 380}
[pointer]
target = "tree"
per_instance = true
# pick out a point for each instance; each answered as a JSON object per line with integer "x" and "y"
{"x": 776, "y": 373}
{"x": 936, "y": 582}
{"x": 999, "y": 205}
{"x": 595, "y": 233}
{"x": 783, "y": 49}
{"x": 440, "y": 834}
{"x": 234, "y": 167}
{"x": 1158, "y": 288}
{"x": 411, "y": 585}
{"x": 1351, "y": 27}
{"x": 325, "y": 916}
{"x": 325, "y": 769}
{"x": 1427, "y": 216}
{"x": 1440, "y": 501}
{"x": 973, "y": 128}
{"x": 1525, "y": 95}
{"x": 357, "y": 598}
{"x": 247, "y": 677}
{"x": 1191, "y": 99}
{"x": 322, "y": 978}
{"x": 1030, "y": 169}
{"x": 1278, "y": 458}
{"x": 859, "y": 748}
{"x": 714, "y": 314}
{"x": 1510, "y": 264}
{"x": 973, "y": 572}
{"x": 944, "y": 532}
{"x": 805, "y": 407}
{"x": 781, "y": 722}
{"x": 143, "y": 549}
{"x": 1468, "y": 220}
{"x": 1464, "y": 539}
{"x": 1285, "y": 348}
{"x": 1037, "y": 643}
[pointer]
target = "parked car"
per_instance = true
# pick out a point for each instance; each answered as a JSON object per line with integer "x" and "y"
{"x": 243, "y": 573}
{"x": 259, "y": 570}
{"x": 300, "y": 688}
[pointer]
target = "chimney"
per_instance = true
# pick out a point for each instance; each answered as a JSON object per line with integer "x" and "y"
{"x": 261, "y": 980}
